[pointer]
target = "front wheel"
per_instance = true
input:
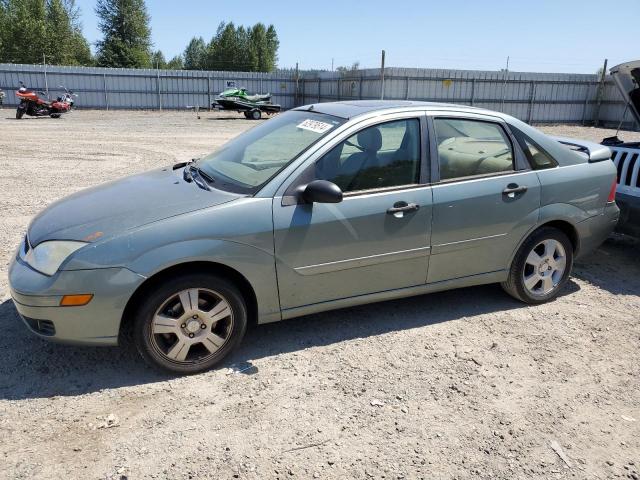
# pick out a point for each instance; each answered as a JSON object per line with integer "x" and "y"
{"x": 256, "y": 114}
{"x": 541, "y": 267}
{"x": 19, "y": 113}
{"x": 55, "y": 115}
{"x": 190, "y": 323}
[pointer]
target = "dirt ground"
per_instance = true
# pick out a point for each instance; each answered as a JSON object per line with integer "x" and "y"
{"x": 461, "y": 384}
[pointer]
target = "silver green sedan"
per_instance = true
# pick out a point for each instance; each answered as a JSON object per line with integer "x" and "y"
{"x": 325, "y": 206}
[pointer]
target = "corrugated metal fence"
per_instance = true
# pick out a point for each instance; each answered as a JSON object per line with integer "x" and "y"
{"x": 532, "y": 97}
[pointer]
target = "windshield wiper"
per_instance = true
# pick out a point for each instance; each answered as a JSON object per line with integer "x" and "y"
{"x": 192, "y": 173}
{"x": 202, "y": 173}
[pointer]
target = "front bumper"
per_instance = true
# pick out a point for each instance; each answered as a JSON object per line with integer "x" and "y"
{"x": 629, "y": 214}
{"x": 37, "y": 298}
{"x": 595, "y": 230}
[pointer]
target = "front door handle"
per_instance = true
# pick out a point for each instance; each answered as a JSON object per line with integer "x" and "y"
{"x": 513, "y": 188}
{"x": 399, "y": 208}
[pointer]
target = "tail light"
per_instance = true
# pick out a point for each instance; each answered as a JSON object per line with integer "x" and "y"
{"x": 612, "y": 192}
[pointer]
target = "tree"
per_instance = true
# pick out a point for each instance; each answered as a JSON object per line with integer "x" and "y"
{"x": 273, "y": 44}
{"x": 30, "y": 29}
{"x": 158, "y": 60}
{"x": 345, "y": 71}
{"x": 175, "y": 63}
{"x": 248, "y": 49}
{"x": 195, "y": 54}
{"x": 65, "y": 44}
{"x": 24, "y": 31}
{"x": 127, "y": 35}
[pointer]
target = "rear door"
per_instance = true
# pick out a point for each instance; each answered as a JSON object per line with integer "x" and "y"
{"x": 485, "y": 197}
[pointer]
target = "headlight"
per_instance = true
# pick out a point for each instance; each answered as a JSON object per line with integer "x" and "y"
{"x": 48, "y": 256}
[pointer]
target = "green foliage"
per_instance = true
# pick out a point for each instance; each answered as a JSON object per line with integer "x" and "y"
{"x": 30, "y": 29}
{"x": 158, "y": 60}
{"x": 195, "y": 54}
{"x": 176, "y": 63}
{"x": 248, "y": 49}
{"x": 348, "y": 71}
{"x": 127, "y": 35}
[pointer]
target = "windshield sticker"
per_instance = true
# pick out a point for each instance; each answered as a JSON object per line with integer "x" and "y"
{"x": 315, "y": 126}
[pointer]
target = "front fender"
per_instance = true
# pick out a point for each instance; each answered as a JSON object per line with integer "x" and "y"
{"x": 238, "y": 235}
{"x": 256, "y": 265}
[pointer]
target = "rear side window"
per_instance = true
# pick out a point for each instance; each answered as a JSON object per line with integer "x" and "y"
{"x": 538, "y": 158}
{"x": 471, "y": 147}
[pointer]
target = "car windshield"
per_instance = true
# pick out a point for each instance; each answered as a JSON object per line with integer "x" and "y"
{"x": 247, "y": 162}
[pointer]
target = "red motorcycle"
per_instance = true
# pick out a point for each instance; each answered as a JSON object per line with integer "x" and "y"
{"x": 32, "y": 104}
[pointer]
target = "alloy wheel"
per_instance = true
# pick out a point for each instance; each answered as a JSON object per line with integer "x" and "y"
{"x": 544, "y": 267}
{"x": 191, "y": 326}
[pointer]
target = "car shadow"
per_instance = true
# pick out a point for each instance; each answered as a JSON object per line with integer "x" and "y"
{"x": 229, "y": 118}
{"x": 34, "y": 368}
{"x": 614, "y": 266}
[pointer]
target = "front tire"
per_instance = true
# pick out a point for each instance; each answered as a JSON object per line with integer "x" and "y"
{"x": 256, "y": 114}
{"x": 541, "y": 267}
{"x": 190, "y": 323}
{"x": 19, "y": 113}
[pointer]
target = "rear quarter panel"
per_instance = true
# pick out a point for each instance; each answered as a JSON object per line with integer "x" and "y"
{"x": 576, "y": 192}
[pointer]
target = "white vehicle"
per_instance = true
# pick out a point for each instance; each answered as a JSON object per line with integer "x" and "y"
{"x": 626, "y": 156}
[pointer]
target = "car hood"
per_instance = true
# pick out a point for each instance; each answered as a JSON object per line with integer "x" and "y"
{"x": 113, "y": 207}
{"x": 627, "y": 78}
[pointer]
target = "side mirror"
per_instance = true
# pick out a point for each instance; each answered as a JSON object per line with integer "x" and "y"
{"x": 322, "y": 191}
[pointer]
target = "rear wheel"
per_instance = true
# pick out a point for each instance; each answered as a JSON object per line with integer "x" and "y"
{"x": 541, "y": 267}
{"x": 55, "y": 115}
{"x": 19, "y": 113}
{"x": 190, "y": 323}
{"x": 246, "y": 114}
{"x": 256, "y": 114}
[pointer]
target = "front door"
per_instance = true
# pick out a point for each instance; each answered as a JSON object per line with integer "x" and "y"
{"x": 377, "y": 238}
{"x": 485, "y": 202}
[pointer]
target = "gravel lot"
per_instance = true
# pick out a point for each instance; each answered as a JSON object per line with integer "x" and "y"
{"x": 461, "y": 384}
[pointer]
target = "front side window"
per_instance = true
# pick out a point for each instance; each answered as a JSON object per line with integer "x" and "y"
{"x": 247, "y": 162}
{"x": 471, "y": 147}
{"x": 381, "y": 156}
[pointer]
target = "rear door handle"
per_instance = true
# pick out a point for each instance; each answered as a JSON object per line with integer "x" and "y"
{"x": 399, "y": 208}
{"x": 513, "y": 188}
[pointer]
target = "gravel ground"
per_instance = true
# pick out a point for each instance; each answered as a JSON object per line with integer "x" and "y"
{"x": 460, "y": 384}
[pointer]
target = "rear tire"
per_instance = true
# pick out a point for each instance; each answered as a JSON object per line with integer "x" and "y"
{"x": 541, "y": 267}
{"x": 55, "y": 115}
{"x": 256, "y": 114}
{"x": 189, "y": 323}
{"x": 19, "y": 113}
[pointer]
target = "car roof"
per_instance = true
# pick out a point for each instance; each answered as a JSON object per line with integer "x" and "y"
{"x": 354, "y": 108}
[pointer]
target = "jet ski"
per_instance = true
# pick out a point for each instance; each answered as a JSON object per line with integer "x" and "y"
{"x": 239, "y": 100}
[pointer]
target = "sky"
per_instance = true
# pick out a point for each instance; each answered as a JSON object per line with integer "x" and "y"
{"x": 538, "y": 36}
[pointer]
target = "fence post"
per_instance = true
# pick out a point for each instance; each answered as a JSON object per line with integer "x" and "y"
{"x": 295, "y": 98}
{"x": 360, "y": 88}
{"x": 600, "y": 91}
{"x": 584, "y": 106}
{"x": 319, "y": 89}
{"x": 473, "y": 91}
{"x": 406, "y": 90}
{"x": 382, "y": 77}
{"x": 106, "y": 94}
{"x": 338, "y": 85}
{"x": 158, "y": 88}
{"x": 532, "y": 96}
